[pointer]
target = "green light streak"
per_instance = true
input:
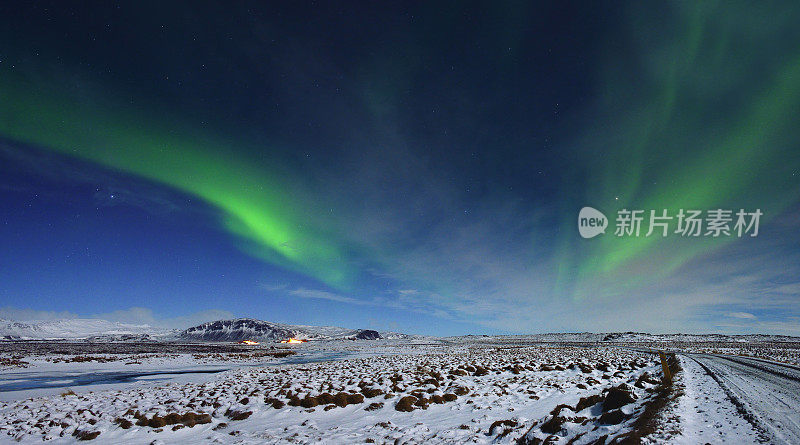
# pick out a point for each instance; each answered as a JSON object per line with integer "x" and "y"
{"x": 254, "y": 205}
{"x": 687, "y": 126}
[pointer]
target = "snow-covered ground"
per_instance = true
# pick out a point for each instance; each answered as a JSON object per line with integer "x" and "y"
{"x": 704, "y": 413}
{"x": 788, "y": 353}
{"x": 765, "y": 393}
{"x": 456, "y": 390}
{"x": 437, "y": 394}
{"x": 54, "y": 374}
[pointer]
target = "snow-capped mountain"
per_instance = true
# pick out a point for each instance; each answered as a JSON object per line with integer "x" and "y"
{"x": 75, "y": 329}
{"x": 251, "y": 329}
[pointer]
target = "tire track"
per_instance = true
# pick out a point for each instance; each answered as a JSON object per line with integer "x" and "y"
{"x": 740, "y": 407}
{"x": 765, "y": 397}
{"x": 761, "y": 365}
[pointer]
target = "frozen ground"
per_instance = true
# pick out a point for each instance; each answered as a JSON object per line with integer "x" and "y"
{"x": 766, "y": 394}
{"x": 438, "y": 394}
{"x": 786, "y": 352}
{"x": 30, "y": 373}
{"x": 704, "y": 413}
{"x": 467, "y": 390}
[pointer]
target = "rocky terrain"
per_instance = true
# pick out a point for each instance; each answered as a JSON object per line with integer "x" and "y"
{"x": 437, "y": 394}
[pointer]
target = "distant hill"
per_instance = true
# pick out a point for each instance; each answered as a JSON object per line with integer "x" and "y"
{"x": 627, "y": 337}
{"x": 744, "y": 338}
{"x": 92, "y": 329}
{"x": 78, "y": 329}
{"x": 251, "y": 329}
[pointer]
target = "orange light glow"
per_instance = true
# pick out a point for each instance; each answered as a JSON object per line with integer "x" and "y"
{"x": 248, "y": 342}
{"x": 293, "y": 340}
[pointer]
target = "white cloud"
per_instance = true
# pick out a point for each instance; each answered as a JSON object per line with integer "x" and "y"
{"x": 323, "y": 295}
{"x": 744, "y": 315}
{"x": 406, "y": 299}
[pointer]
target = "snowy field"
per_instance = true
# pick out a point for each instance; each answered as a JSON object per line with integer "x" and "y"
{"x": 470, "y": 390}
{"x": 428, "y": 393}
{"x": 788, "y": 353}
{"x": 48, "y": 368}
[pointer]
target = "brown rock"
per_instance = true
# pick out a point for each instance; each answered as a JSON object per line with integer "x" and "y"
{"x": 406, "y": 404}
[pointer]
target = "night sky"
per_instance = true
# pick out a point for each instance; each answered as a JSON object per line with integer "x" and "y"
{"x": 407, "y": 166}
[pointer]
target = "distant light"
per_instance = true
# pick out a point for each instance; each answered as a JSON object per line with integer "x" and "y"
{"x": 293, "y": 340}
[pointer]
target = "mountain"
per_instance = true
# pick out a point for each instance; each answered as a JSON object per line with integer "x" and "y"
{"x": 77, "y": 329}
{"x": 99, "y": 330}
{"x": 259, "y": 330}
{"x": 93, "y": 329}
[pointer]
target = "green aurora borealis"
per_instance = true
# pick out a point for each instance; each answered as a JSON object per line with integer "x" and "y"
{"x": 701, "y": 131}
{"x": 252, "y": 201}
